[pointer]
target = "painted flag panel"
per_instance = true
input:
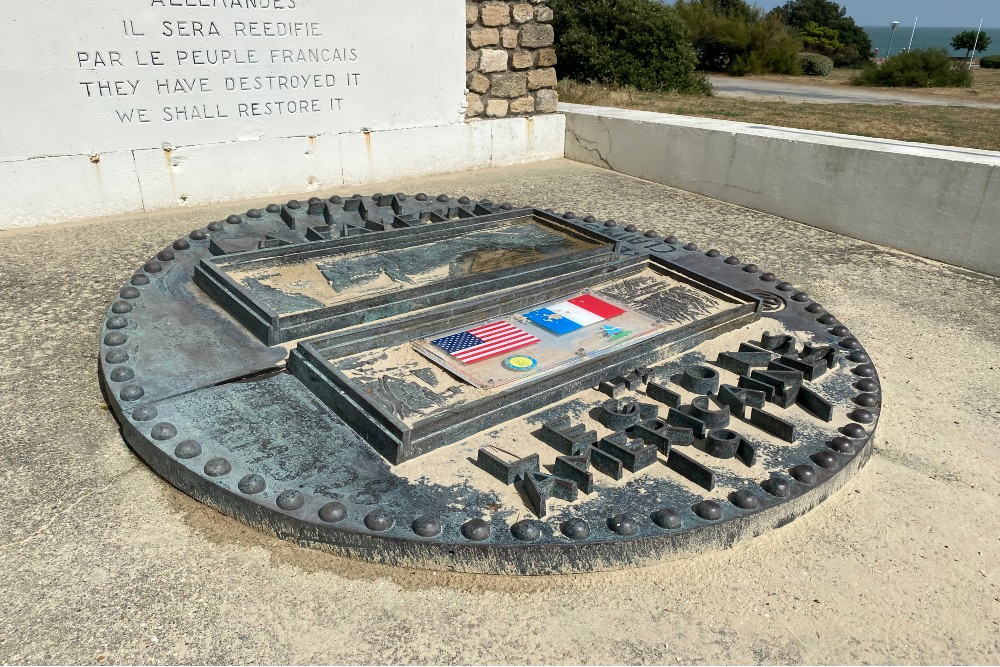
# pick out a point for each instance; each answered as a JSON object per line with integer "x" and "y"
{"x": 575, "y": 313}
{"x": 596, "y": 306}
{"x": 551, "y": 321}
{"x": 489, "y": 340}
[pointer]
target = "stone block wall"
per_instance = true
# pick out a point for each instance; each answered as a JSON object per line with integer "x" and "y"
{"x": 509, "y": 58}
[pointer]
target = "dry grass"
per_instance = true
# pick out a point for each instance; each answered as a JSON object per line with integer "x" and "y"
{"x": 948, "y": 126}
{"x": 985, "y": 84}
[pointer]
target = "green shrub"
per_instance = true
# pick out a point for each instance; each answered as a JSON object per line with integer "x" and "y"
{"x": 990, "y": 62}
{"x": 920, "y": 68}
{"x": 814, "y": 64}
{"x": 734, "y": 37}
{"x": 639, "y": 43}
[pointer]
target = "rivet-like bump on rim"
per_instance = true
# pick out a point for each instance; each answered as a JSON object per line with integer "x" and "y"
{"x": 575, "y": 529}
{"x": 841, "y": 444}
{"x": 505, "y": 206}
{"x": 671, "y": 240}
{"x": 866, "y": 400}
{"x": 116, "y": 322}
{"x": 785, "y": 287}
{"x": 840, "y": 331}
{"x": 732, "y": 260}
{"x": 443, "y": 198}
{"x": 744, "y": 499}
{"x": 825, "y": 459}
{"x": 273, "y": 208}
{"x": 864, "y": 370}
{"x": 131, "y": 392}
{"x": 251, "y": 484}
{"x": 421, "y": 196}
{"x": 801, "y": 297}
{"x": 290, "y": 500}
{"x": 709, "y": 510}
{"x": 139, "y": 279}
{"x": 187, "y": 449}
{"x": 751, "y": 268}
{"x": 121, "y": 374}
{"x": 589, "y": 219}
{"x": 115, "y": 338}
{"x": 610, "y": 223}
{"x": 464, "y": 201}
{"x": 332, "y": 512}
{"x": 121, "y": 307}
{"x": 713, "y": 253}
{"x": 214, "y": 226}
{"x": 526, "y": 530}
{"x": 777, "y": 487}
{"x": 144, "y": 413}
{"x": 827, "y": 319}
{"x": 631, "y": 229}
{"x": 666, "y": 517}
{"x": 651, "y": 234}
{"x": 152, "y": 266}
{"x": 623, "y": 524}
{"x": 217, "y": 467}
{"x": 804, "y": 473}
{"x": 814, "y": 308}
{"x": 768, "y": 277}
{"x": 129, "y": 293}
{"x": 116, "y": 356}
{"x": 294, "y": 204}
{"x": 569, "y": 215}
{"x": 181, "y": 244}
{"x": 476, "y": 530}
{"x": 866, "y": 385}
{"x": 165, "y": 255}
{"x": 197, "y": 235}
{"x": 336, "y": 199}
{"x": 426, "y": 526}
{"x": 163, "y": 431}
{"x": 255, "y": 213}
{"x": 862, "y": 416}
{"x": 690, "y": 246}
{"x": 378, "y": 520}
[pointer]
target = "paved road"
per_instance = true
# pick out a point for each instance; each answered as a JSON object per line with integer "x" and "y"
{"x": 820, "y": 94}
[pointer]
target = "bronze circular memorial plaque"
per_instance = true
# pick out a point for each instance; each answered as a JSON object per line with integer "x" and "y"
{"x": 449, "y": 383}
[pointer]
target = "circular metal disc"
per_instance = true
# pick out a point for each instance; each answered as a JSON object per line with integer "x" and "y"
{"x": 280, "y": 366}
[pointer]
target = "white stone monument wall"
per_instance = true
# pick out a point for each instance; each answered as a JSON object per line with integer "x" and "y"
{"x": 112, "y": 106}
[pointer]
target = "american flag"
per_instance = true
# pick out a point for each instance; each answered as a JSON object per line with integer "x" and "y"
{"x": 485, "y": 342}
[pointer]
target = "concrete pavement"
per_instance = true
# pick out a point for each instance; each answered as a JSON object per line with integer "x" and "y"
{"x": 103, "y": 562}
{"x": 816, "y": 93}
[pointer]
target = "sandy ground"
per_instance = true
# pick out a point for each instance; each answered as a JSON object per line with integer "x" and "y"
{"x": 101, "y": 561}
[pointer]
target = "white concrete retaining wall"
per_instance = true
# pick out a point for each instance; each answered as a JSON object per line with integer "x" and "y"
{"x": 117, "y": 106}
{"x": 934, "y": 201}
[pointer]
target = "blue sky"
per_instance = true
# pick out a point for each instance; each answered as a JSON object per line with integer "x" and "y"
{"x": 932, "y": 12}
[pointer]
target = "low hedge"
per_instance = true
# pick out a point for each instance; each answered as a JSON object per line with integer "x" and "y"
{"x": 815, "y": 64}
{"x": 990, "y": 62}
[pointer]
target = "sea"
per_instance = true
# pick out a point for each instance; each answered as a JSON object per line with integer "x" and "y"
{"x": 924, "y": 38}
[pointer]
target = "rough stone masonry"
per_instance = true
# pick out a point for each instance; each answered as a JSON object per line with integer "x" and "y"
{"x": 509, "y": 59}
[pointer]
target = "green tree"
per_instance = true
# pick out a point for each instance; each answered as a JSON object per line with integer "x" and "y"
{"x": 857, "y": 46}
{"x": 640, "y": 43}
{"x": 967, "y": 40}
{"x": 817, "y": 39}
{"x": 734, "y": 37}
